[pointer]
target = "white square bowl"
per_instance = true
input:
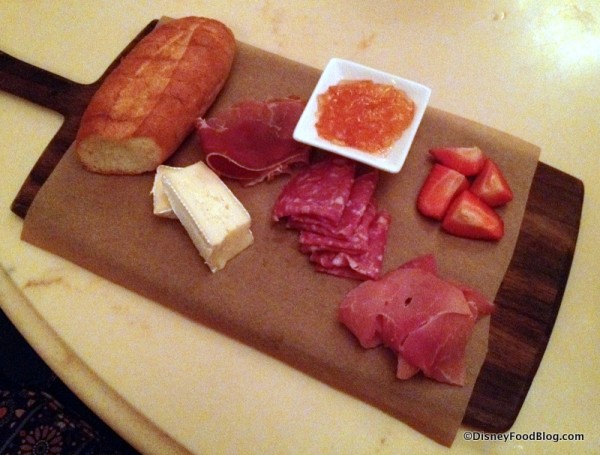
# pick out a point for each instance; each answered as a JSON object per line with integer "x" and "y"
{"x": 337, "y": 70}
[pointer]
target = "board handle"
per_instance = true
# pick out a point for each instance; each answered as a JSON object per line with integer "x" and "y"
{"x": 58, "y": 94}
{"x": 53, "y": 92}
{"x": 40, "y": 86}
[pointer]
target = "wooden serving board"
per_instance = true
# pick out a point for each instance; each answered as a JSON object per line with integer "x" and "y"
{"x": 529, "y": 297}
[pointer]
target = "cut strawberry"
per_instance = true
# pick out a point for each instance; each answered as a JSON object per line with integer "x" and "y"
{"x": 466, "y": 160}
{"x": 440, "y": 187}
{"x": 470, "y": 217}
{"x": 491, "y": 186}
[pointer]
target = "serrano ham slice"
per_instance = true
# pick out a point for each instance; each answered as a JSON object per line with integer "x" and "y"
{"x": 426, "y": 320}
{"x": 252, "y": 141}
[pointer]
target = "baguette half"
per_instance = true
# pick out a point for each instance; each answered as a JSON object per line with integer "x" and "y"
{"x": 147, "y": 106}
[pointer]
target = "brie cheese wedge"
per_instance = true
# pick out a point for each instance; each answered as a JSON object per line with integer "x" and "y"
{"x": 215, "y": 220}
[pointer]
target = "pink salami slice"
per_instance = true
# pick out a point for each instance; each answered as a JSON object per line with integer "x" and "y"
{"x": 361, "y": 194}
{"x": 342, "y": 272}
{"x": 357, "y": 242}
{"x": 320, "y": 191}
{"x": 336, "y": 214}
{"x": 367, "y": 265}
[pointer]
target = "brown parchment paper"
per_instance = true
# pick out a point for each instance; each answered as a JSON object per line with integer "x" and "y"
{"x": 269, "y": 297}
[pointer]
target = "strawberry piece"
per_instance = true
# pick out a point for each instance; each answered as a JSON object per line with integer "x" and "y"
{"x": 440, "y": 187}
{"x": 470, "y": 217}
{"x": 466, "y": 160}
{"x": 491, "y": 187}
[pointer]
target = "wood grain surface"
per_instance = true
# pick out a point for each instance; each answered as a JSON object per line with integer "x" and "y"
{"x": 58, "y": 94}
{"x": 528, "y": 300}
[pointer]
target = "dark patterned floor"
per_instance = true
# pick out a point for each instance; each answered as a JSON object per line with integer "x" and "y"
{"x": 39, "y": 415}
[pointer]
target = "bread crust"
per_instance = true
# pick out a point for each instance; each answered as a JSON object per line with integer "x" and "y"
{"x": 147, "y": 106}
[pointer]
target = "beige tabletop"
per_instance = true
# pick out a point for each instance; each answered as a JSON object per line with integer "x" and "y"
{"x": 168, "y": 385}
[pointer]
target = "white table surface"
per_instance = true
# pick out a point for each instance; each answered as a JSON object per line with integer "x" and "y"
{"x": 169, "y": 385}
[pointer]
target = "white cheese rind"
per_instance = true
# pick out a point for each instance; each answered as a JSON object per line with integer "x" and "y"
{"x": 162, "y": 206}
{"x": 215, "y": 220}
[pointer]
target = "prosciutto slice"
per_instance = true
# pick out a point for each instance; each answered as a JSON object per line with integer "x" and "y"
{"x": 426, "y": 320}
{"x": 252, "y": 141}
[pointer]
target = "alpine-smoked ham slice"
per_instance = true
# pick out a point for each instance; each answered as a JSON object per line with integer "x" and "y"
{"x": 426, "y": 320}
{"x": 252, "y": 141}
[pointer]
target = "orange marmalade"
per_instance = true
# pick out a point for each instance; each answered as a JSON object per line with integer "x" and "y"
{"x": 364, "y": 114}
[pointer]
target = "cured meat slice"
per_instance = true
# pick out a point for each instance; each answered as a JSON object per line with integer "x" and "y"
{"x": 252, "y": 141}
{"x": 358, "y": 242}
{"x": 426, "y": 320}
{"x": 438, "y": 347}
{"x": 342, "y": 272}
{"x": 361, "y": 194}
{"x": 320, "y": 191}
{"x": 480, "y": 305}
{"x": 426, "y": 262}
{"x": 367, "y": 264}
{"x": 336, "y": 213}
{"x": 405, "y": 370}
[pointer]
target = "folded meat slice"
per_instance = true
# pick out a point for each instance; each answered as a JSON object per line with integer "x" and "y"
{"x": 358, "y": 242}
{"x": 361, "y": 195}
{"x": 252, "y": 141}
{"x": 426, "y": 320}
{"x": 320, "y": 191}
{"x": 480, "y": 305}
{"x": 425, "y": 262}
{"x": 363, "y": 265}
{"x": 335, "y": 211}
